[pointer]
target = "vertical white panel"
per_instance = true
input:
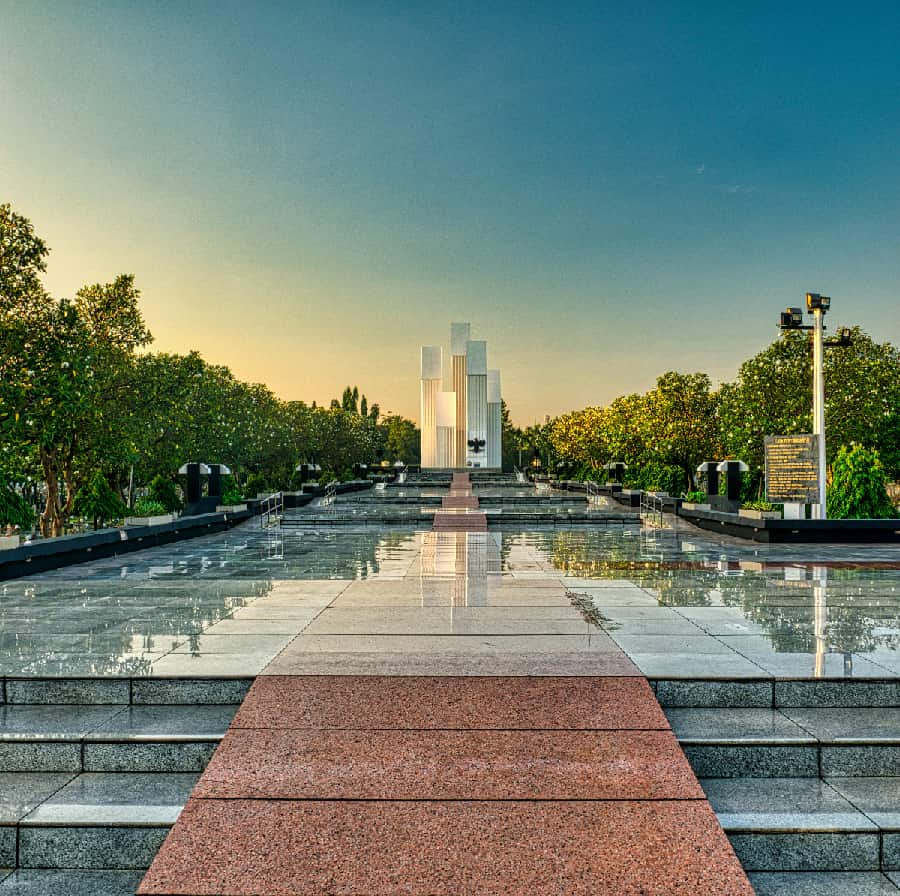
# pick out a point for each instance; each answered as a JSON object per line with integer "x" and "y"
{"x": 460, "y": 334}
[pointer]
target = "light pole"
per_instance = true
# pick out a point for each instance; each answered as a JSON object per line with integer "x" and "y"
{"x": 792, "y": 319}
{"x": 817, "y": 305}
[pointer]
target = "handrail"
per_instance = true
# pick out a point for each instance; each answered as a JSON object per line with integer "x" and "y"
{"x": 652, "y": 509}
{"x": 520, "y": 475}
{"x": 271, "y": 510}
{"x": 330, "y": 493}
{"x": 594, "y": 495}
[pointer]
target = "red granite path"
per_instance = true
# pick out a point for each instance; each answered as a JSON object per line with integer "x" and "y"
{"x": 442, "y": 785}
{"x": 459, "y": 511}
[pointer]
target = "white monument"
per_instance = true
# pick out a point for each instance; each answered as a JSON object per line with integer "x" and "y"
{"x": 461, "y": 427}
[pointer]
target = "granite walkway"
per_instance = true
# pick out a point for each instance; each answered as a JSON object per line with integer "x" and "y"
{"x": 449, "y": 732}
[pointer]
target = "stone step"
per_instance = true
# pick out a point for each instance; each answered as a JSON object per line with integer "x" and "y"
{"x": 778, "y": 743}
{"x": 112, "y": 738}
{"x": 804, "y": 777}
{"x": 810, "y": 824}
{"x": 31, "y": 882}
{"x": 101, "y": 821}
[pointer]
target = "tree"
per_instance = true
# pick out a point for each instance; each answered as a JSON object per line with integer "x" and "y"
{"x": 403, "y": 439}
{"x": 97, "y": 501}
{"x": 511, "y": 438}
{"x": 773, "y": 396}
{"x": 858, "y": 486}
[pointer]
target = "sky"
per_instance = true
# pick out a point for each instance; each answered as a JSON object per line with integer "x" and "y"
{"x": 307, "y": 192}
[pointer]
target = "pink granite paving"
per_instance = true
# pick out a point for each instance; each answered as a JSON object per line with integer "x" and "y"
{"x": 449, "y": 765}
{"x": 421, "y": 703}
{"x": 500, "y": 848}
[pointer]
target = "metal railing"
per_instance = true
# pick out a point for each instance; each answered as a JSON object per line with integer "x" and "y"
{"x": 520, "y": 475}
{"x": 652, "y": 510}
{"x": 271, "y": 510}
{"x": 330, "y": 493}
{"x": 594, "y": 495}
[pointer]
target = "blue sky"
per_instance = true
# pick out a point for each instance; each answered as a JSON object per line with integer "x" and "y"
{"x": 307, "y": 192}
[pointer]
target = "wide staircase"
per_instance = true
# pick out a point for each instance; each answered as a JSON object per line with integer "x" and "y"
{"x": 94, "y": 772}
{"x": 804, "y": 777}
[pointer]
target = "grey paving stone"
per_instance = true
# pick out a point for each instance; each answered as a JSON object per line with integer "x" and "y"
{"x": 753, "y": 761}
{"x": 727, "y": 665}
{"x": 7, "y": 846}
{"x": 59, "y": 722}
{"x": 846, "y": 693}
{"x": 514, "y": 664}
{"x": 893, "y": 876}
{"x": 143, "y": 723}
{"x": 860, "y": 761}
{"x": 735, "y": 726}
{"x": 890, "y": 851}
{"x": 41, "y": 756}
{"x": 82, "y": 691}
{"x": 113, "y": 799}
{"x": 853, "y": 725}
{"x": 878, "y": 798}
{"x": 71, "y": 883}
{"x": 210, "y": 665}
{"x": 192, "y": 756}
{"x": 675, "y": 693}
{"x": 807, "y": 852}
{"x": 20, "y": 792}
{"x": 89, "y": 847}
{"x": 822, "y": 883}
{"x": 782, "y": 804}
{"x": 173, "y": 691}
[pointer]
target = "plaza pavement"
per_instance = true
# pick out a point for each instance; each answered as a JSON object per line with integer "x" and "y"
{"x": 447, "y": 731}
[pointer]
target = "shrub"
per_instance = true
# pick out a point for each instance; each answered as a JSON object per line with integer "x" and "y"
{"x": 98, "y": 502}
{"x": 759, "y": 505}
{"x": 858, "y": 485}
{"x": 255, "y": 484}
{"x": 232, "y": 496}
{"x": 164, "y": 491}
{"x": 146, "y": 507}
{"x": 695, "y": 497}
{"x": 655, "y": 477}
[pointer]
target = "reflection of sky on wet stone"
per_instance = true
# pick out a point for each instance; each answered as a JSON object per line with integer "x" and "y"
{"x": 119, "y": 616}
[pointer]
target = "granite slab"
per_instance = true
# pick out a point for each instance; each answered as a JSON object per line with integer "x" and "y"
{"x": 877, "y": 798}
{"x": 782, "y": 804}
{"x": 449, "y": 765}
{"x": 736, "y": 726}
{"x": 35, "y": 882}
{"x": 114, "y": 799}
{"x": 621, "y": 847}
{"x": 20, "y": 792}
{"x": 493, "y": 702}
{"x": 822, "y": 883}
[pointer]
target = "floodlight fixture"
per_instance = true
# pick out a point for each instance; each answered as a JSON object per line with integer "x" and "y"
{"x": 814, "y": 301}
{"x": 791, "y": 319}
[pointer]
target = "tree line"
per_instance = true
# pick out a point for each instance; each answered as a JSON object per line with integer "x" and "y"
{"x": 665, "y": 433}
{"x": 81, "y": 396}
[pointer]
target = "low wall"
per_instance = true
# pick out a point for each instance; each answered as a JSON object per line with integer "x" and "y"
{"x": 53, "y": 553}
{"x": 796, "y": 531}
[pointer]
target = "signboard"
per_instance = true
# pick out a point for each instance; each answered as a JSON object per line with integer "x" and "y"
{"x": 792, "y": 469}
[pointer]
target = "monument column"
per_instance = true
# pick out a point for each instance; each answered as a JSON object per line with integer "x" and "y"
{"x": 494, "y": 421}
{"x": 432, "y": 364}
{"x": 459, "y": 338}
{"x": 445, "y": 424}
{"x": 476, "y": 404}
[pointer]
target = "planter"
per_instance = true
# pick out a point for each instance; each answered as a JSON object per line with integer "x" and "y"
{"x": 230, "y": 508}
{"x": 760, "y": 514}
{"x": 149, "y": 520}
{"x": 689, "y": 505}
{"x": 8, "y": 542}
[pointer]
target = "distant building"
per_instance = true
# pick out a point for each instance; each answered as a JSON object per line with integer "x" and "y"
{"x": 461, "y": 427}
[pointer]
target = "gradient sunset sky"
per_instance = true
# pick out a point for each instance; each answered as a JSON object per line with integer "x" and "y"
{"x": 307, "y": 192}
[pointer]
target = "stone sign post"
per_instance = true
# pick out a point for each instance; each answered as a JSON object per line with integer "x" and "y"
{"x": 792, "y": 472}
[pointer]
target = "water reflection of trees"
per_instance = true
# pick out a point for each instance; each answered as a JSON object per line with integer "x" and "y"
{"x": 855, "y": 610}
